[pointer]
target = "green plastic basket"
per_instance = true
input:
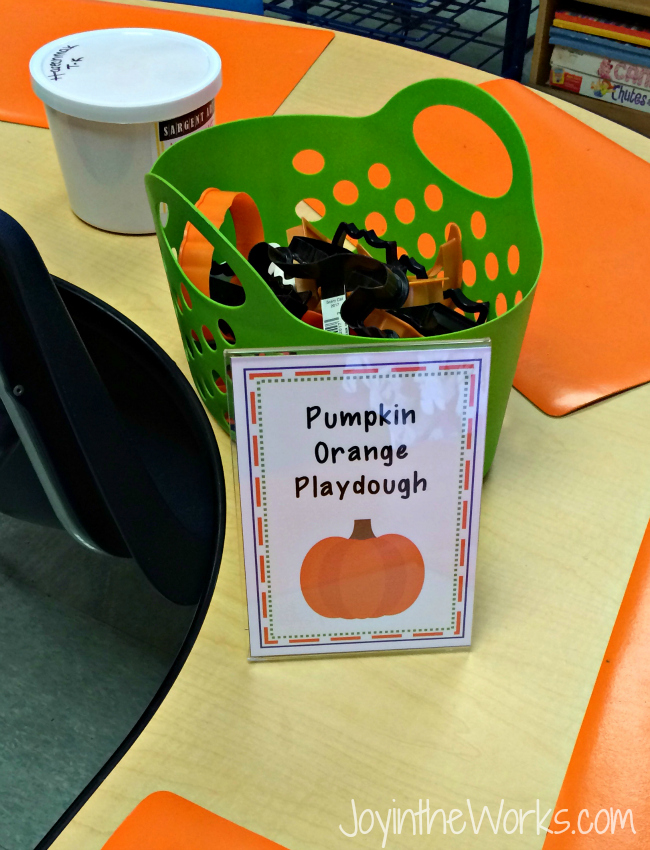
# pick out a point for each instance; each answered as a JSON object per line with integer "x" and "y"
{"x": 256, "y": 156}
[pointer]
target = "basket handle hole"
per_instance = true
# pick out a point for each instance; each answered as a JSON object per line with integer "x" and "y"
{"x": 227, "y": 332}
{"x": 513, "y": 259}
{"x": 346, "y": 192}
{"x": 223, "y": 286}
{"x": 309, "y": 161}
{"x": 311, "y": 209}
{"x": 464, "y": 148}
{"x": 197, "y": 341}
{"x": 206, "y": 388}
{"x": 469, "y": 273}
{"x": 186, "y": 296}
{"x": 491, "y": 266}
{"x": 219, "y": 381}
{"x": 208, "y": 337}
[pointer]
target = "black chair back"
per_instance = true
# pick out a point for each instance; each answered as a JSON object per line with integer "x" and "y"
{"x": 100, "y": 432}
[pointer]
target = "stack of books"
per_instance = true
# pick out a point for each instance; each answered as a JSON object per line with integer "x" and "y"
{"x": 602, "y": 58}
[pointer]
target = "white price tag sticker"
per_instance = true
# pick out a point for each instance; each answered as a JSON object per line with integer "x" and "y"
{"x": 332, "y": 320}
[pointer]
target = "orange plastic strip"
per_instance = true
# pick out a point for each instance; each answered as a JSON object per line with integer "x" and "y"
{"x": 195, "y": 255}
{"x": 164, "y": 821}
{"x": 262, "y": 62}
{"x": 610, "y": 765}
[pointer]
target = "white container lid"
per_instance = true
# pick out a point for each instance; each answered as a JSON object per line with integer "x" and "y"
{"x": 126, "y": 76}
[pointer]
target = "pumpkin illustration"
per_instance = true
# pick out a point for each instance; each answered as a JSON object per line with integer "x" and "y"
{"x": 363, "y": 576}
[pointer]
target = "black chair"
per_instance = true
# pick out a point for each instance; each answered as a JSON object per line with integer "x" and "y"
{"x": 102, "y": 435}
{"x": 100, "y": 431}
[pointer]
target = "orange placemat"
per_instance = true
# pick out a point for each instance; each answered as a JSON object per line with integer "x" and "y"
{"x": 262, "y": 62}
{"x": 608, "y": 778}
{"x": 589, "y": 332}
{"x": 164, "y": 821}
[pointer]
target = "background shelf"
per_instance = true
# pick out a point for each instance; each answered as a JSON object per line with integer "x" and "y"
{"x": 541, "y": 65}
{"x": 487, "y": 34}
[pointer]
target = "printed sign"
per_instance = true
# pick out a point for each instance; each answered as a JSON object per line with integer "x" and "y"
{"x": 360, "y": 482}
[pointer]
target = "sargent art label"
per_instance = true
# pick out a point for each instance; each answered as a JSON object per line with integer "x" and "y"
{"x": 360, "y": 483}
{"x": 168, "y": 132}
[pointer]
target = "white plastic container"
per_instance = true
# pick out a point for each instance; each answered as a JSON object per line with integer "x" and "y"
{"x": 115, "y": 99}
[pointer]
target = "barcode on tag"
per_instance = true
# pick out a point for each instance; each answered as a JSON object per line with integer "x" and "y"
{"x": 332, "y": 320}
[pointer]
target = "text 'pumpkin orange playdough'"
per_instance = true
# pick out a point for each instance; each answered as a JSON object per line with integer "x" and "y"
{"x": 363, "y": 576}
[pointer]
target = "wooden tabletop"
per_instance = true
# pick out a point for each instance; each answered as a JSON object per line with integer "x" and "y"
{"x": 283, "y": 747}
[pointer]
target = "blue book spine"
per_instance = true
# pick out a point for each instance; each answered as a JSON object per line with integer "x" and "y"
{"x": 607, "y": 47}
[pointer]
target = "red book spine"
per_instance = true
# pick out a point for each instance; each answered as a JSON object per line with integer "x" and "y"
{"x": 587, "y": 20}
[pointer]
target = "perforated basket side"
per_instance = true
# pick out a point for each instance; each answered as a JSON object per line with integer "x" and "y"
{"x": 265, "y": 158}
